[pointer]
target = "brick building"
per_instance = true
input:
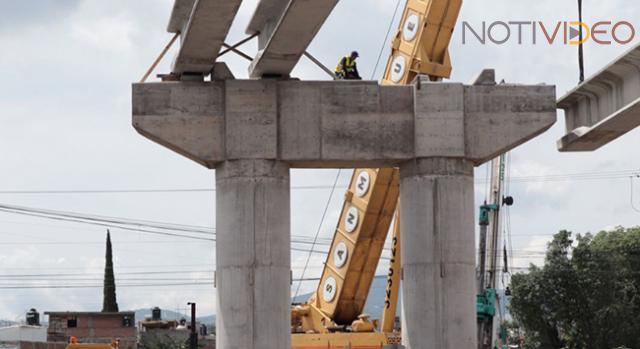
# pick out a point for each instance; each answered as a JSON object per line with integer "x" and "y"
{"x": 93, "y": 327}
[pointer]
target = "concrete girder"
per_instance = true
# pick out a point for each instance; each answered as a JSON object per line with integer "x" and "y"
{"x": 339, "y": 124}
{"x": 202, "y": 34}
{"x": 286, "y": 29}
{"x": 604, "y": 107}
{"x": 180, "y": 15}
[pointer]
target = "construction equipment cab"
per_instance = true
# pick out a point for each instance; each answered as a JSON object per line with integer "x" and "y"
{"x": 347, "y": 68}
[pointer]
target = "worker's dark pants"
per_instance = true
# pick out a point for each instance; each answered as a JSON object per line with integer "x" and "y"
{"x": 348, "y": 76}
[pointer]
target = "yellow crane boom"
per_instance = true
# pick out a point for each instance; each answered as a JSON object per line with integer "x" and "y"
{"x": 420, "y": 47}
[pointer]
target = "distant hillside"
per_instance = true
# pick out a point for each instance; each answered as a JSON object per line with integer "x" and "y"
{"x": 141, "y": 314}
{"x": 374, "y": 306}
{"x": 7, "y": 323}
{"x": 375, "y": 301}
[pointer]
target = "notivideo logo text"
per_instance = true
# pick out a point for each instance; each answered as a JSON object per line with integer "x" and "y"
{"x": 561, "y": 32}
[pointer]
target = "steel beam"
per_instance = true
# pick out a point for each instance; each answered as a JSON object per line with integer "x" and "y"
{"x": 203, "y": 34}
{"x": 604, "y": 107}
{"x": 286, "y": 29}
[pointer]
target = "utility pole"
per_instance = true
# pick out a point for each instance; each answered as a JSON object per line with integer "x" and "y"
{"x": 193, "y": 338}
{"x": 489, "y": 246}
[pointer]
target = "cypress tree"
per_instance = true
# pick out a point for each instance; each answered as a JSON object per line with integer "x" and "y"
{"x": 109, "y": 304}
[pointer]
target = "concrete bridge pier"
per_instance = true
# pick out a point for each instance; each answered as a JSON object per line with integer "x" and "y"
{"x": 253, "y": 131}
{"x": 253, "y": 257}
{"x": 438, "y": 259}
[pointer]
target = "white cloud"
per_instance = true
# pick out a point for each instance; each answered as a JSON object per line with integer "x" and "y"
{"x": 543, "y": 183}
{"x": 104, "y": 33}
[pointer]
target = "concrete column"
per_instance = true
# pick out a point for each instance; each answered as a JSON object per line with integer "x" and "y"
{"x": 438, "y": 259}
{"x": 253, "y": 255}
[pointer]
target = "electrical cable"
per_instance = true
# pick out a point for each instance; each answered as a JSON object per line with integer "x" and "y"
{"x": 633, "y": 205}
{"x": 487, "y": 188}
{"x": 509, "y": 241}
{"x": 139, "y": 230}
{"x": 121, "y": 223}
{"x": 324, "y": 214}
{"x": 139, "y": 191}
{"x": 134, "y": 285}
{"x": 113, "y": 220}
{"x": 581, "y": 45}
{"x": 597, "y": 175}
{"x": 384, "y": 43}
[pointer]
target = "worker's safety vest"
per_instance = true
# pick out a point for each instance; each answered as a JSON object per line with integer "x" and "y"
{"x": 349, "y": 65}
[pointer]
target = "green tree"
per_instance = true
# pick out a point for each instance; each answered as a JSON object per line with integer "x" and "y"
{"x": 109, "y": 303}
{"x": 162, "y": 341}
{"x": 586, "y": 296}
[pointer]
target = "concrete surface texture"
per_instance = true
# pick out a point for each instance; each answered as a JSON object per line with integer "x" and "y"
{"x": 202, "y": 33}
{"x": 180, "y": 15}
{"x": 604, "y": 107}
{"x": 438, "y": 254}
{"x": 286, "y": 29}
{"x": 252, "y": 131}
{"x": 339, "y": 124}
{"x": 253, "y": 257}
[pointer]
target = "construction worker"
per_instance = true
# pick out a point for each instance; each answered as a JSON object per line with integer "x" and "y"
{"x": 347, "y": 69}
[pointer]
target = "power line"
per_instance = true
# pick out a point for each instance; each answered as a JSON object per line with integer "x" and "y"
{"x": 125, "y": 285}
{"x": 113, "y": 220}
{"x": 97, "y": 223}
{"x": 101, "y": 286}
{"x": 633, "y": 205}
{"x": 137, "y": 190}
{"x": 597, "y": 175}
{"x": 126, "y": 223}
{"x": 120, "y": 273}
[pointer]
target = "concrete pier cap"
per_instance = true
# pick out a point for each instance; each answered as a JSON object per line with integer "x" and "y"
{"x": 345, "y": 124}
{"x": 435, "y": 132}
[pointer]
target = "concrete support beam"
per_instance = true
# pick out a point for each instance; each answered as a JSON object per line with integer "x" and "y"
{"x": 604, "y": 107}
{"x": 286, "y": 29}
{"x": 339, "y": 124}
{"x": 438, "y": 258}
{"x": 253, "y": 258}
{"x": 265, "y": 18}
{"x": 180, "y": 15}
{"x": 203, "y": 34}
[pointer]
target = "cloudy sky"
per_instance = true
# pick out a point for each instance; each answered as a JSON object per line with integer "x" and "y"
{"x": 65, "y": 111}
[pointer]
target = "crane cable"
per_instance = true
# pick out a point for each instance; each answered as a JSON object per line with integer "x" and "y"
{"x": 393, "y": 18}
{"x": 384, "y": 43}
{"x": 580, "y": 47}
{"x": 324, "y": 214}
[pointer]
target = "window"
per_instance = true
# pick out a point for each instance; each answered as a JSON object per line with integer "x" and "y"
{"x": 72, "y": 322}
{"x": 127, "y": 321}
